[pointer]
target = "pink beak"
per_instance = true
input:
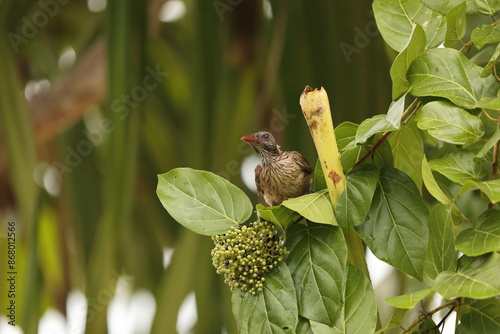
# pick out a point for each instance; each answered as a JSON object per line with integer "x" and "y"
{"x": 250, "y": 139}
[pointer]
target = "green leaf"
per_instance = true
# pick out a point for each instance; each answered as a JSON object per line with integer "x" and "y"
{"x": 395, "y": 112}
{"x": 461, "y": 165}
{"x": 370, "y": 127}
{"x": 485, "y": 34}
{"x": 394, "y": 321}
{"x": 441, "y": 255}
{"x": 455, "y": 24}
{"x": 488, "y": 69}
{"x": 408, "y": 151}
{"x": 451, "y": 124}
{"x": 431, "y": 184}
{"x": 483, "y": 238}
{"x": 202, "y": 201}
{"x": 396, "y": 230}
{"x": 490, "y": 188}
{"x": 274, "y": 310}
{"x": 304, "y": 326}
{"x": 360, "y": 309}
{"x": 409, "y": 300}
{"x": 316, "y": 207}
{"x": 280, "y": 216}
{"x": 354, "y": 203}
{"x": 346, "y": 133}
{"x": 399, "y": 68}
{"x": 476, "y": 277}
{"x": 395, "y": 21}
{"x": 489, "y": 103}
{"x": 489, "y": 144}
{"x": 441, "y": 6}
{"x": 481, "y": 316}
{"x": 488, "y": 7}
{"x": 448, "y": 73}
{"x": 318, "y": 261}
{"x": 359, "y": 314}
{"x": 318, "y": 178}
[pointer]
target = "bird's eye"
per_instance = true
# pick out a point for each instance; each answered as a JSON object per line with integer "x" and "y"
{"x": 266, "y": 136}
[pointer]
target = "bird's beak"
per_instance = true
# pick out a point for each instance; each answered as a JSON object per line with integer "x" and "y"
{"x": 250, "y": 139}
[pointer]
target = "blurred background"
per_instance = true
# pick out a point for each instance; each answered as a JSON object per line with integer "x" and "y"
{"x": 98, "y": 97}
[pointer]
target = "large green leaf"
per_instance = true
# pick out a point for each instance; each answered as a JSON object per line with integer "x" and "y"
{"x": 360, "y": 309}
{"x": 202, "y": 201}
{"x": 396, "y": 229}
{"x": 408, "y": 151}
{"x": 431, "y": 184}
{"x": 481, "y": 316}
{"x": 451, "y": 124}
{"x": 355, "y": 201}
{"x": 483, "y": 238}
{"x": 359, "y": 314}
{"x": 318, "y": 261}
{"x": 274, "y": 310}
{"x": 488, "y": 7}
{"x": 316, "y": 207}
{"x": 409, "y": 300}
{"x": 461, "y": 165}
{"x": 485, "y": 34}
{"x": 448, "y": 73}
{"x": 395, "y": 21}
{"x": 476, "y": 277}
{"x": 441, "y": 254}
{"x": 442, "y": 6}
{"x": 455, "y": 24}
{"x": 400, "y": 65}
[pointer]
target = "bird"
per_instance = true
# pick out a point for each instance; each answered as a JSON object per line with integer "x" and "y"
{"x": 281, "y": 174}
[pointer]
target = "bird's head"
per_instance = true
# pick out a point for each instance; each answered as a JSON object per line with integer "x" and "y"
{"x": 263, "y": 143}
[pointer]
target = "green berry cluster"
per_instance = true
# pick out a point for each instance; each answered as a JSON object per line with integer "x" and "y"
{"x": 245, "y": 253}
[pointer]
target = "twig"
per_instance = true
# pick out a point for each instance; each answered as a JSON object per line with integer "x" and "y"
{"x": 373, "y": 148}
{"x": 453, "y": 304}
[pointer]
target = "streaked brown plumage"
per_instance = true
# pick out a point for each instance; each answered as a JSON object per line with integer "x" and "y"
{"x": 280, "y": 175}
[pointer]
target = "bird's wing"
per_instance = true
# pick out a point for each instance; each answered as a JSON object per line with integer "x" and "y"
{"x": 301, "y": 161}
{"x": 258, "y": 171}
